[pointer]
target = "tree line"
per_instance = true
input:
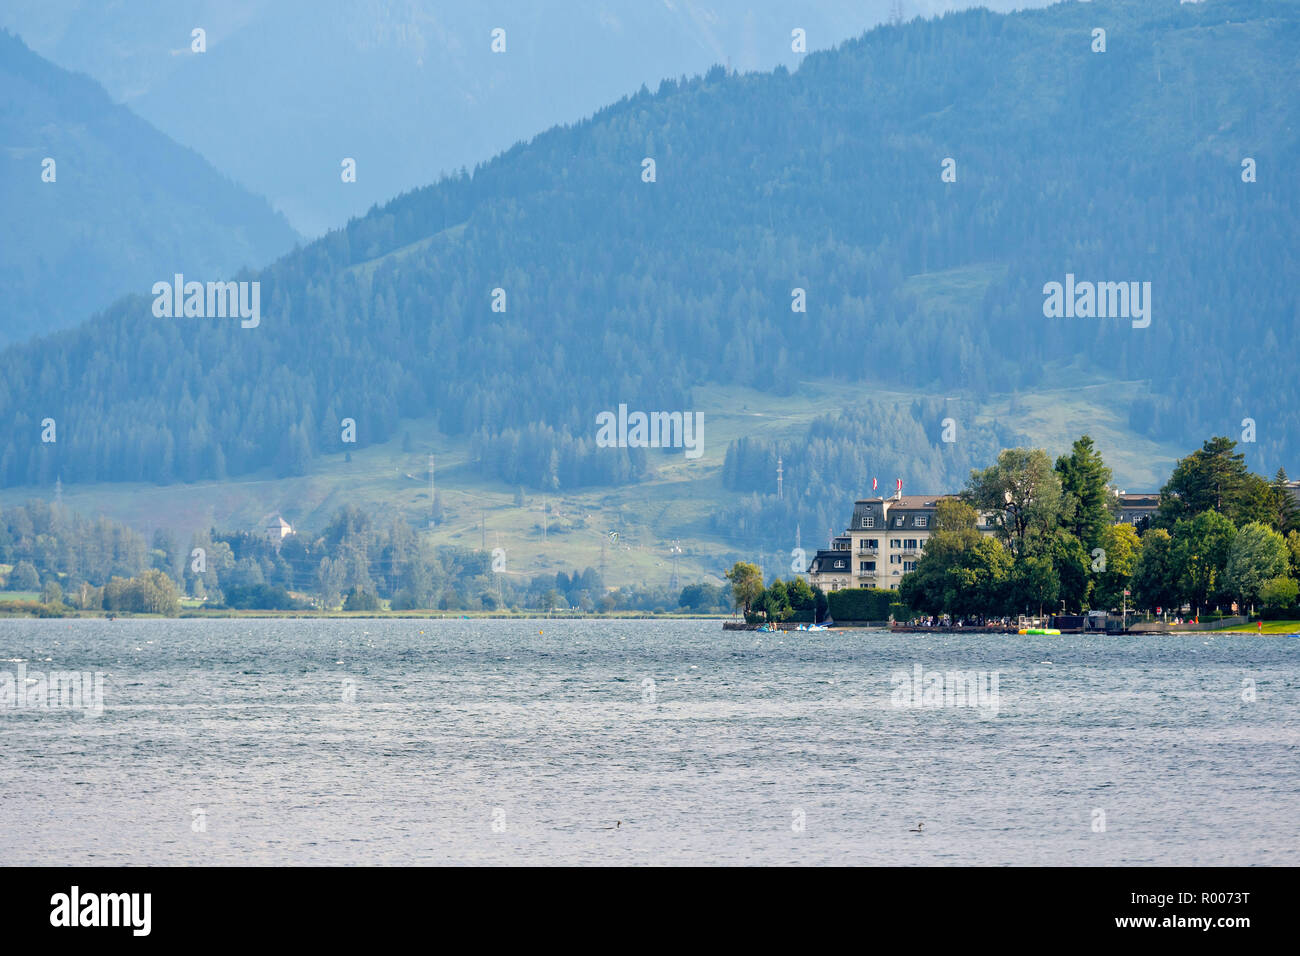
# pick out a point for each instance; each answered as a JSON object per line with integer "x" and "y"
{"x": 1222, "y": 536}
{"x": 355, "y": 563}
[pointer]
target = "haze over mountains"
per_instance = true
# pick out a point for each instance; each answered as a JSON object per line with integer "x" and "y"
{"x": 120, "y": 204}
{"x": 1123, "y": 166}
{"x": 410, "y": 89}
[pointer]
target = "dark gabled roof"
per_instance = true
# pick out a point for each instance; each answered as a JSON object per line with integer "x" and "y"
{"x": 907, "y": 507}
{"x": 1140, "y": 499}
{"x": 815, "y": 566}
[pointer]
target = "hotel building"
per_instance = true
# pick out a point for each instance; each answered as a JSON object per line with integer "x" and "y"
{"x": 882, "y": 543}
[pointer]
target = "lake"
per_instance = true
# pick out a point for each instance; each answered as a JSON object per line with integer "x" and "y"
{"x": 643, "y": 742}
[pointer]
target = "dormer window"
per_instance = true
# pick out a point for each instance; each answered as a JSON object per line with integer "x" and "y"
{"x": 868, "y": 521}
{"x": 921, "y": 521}
{"x": 898, "y": 522}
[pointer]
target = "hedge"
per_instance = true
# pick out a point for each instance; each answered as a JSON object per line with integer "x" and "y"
{"x": 861, "y": 604}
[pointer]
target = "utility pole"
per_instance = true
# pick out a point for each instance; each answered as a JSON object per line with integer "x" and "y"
{"x": 673, "y": 585}
{"x": 779, "y": 471}
{"x": 432, "y": 493}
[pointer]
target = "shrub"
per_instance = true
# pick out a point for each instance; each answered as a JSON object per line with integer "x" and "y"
{"x": 260, "y": 597}
{"x": 861, "y": 604}
{"x": 24, "y": 577}
{"x": 1279, "y": 593}
{"x": 152, "y": 592}
{"x": 359, "y": 600}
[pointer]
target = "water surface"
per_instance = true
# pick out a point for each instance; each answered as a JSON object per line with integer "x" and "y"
{"x": 492, "y": 741}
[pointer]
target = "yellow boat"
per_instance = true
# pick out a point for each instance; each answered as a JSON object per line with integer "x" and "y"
{"x": 1039, "y": 630}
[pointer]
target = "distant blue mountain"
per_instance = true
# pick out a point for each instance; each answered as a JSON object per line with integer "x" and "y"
{"x": 125, "y": 206}
{"x": 410, "y": 89}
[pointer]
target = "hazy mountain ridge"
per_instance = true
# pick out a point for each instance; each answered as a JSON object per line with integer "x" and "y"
{"x": 125, "y": 207}
{"x": 408, "y": 88}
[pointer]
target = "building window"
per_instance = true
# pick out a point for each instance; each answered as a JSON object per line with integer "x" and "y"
{"x": 909, "y": 544}
{"x": 895, "y": 542}
{"x": 921, "y": 521}
{"x": 909, "y": 566}
{"x": 895, "y": 559}
{"x": 867, "y": 566}
{"x": 898, "y": 522}
{"x": 868, "y": 521}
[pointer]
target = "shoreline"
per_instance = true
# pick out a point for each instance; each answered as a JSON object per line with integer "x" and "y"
{"x": 1282, "y": 628}
{"x": 215, "y": 614}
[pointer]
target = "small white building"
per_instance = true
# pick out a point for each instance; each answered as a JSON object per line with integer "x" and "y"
{"x": 278, "y": 529}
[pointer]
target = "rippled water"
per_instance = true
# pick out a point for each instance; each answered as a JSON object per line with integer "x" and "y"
{"x": 519, "y": 742}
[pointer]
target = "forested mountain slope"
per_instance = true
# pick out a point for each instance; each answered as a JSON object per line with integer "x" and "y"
{"x": 1117, "y": 166}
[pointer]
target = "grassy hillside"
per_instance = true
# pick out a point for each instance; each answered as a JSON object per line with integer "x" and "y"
{"x": 649, "y": 517}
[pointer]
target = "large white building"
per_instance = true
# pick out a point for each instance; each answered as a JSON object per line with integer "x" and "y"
{"x": 887, "y": 535}
{"x": 882, "y": 543}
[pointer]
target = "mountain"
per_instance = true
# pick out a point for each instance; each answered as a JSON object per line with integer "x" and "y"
{"x": 120, "y": 207}
{"x": 409, "y": 89}
{"x": 1122, "y": 166}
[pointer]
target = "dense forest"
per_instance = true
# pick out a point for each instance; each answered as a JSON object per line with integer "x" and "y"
{"x": 831, "y": 465}
{"x": 1121, "y": 166}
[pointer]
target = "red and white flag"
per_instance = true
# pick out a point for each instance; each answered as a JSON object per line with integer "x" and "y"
{"x": 900, "y": 484}
{"x": 873, "y": 484}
